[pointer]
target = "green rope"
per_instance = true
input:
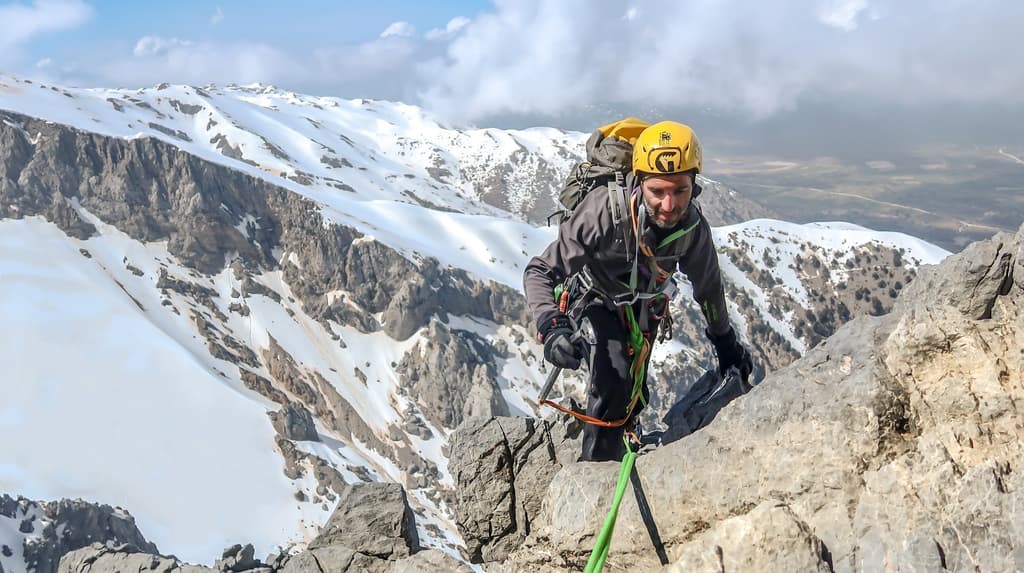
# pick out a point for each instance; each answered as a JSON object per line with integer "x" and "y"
{"x": 636, "y": 342}
{"x": 636, "y": 338}
{"x": 604, "y": 539}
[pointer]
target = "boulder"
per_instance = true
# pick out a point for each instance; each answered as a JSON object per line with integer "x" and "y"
{"x": 769, "y": 539}
{"x": 371, "y": 518}
{"x": 114, "y": 558}
{"x": 294, "y": 422}
{"x": 237, "y": 558}
{"x": 502, "y": 468}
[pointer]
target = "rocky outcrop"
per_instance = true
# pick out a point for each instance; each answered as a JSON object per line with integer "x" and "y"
{"x": 294, "y": 422}
{"x": 372, "y": 530}
{"x": 57, "y": 527}
{"x": 895, "y": 445}
{"x": 430, "y": 561}
{"x": 371, "y": 518}
{"x": 502, "y": 468}
{"x": 114, "y": 558}
{"x": 451, "y": 375}
{"x": 100, "y": 558}
{"x": 770, "y": 539}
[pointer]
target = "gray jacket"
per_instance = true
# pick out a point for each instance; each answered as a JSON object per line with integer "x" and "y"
{"x": 589, "y": 239}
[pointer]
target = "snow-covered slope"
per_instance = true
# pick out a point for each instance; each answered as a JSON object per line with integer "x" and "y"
{"x": 372, "y": 164}
{"x": 117, "y": 393}
{"x": 779, "y": 250}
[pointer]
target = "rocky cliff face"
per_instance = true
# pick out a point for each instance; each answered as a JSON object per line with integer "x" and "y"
{"x": 212, "y": 218}
{"x": 37, "y": 534}
{"x": 895, "y": 445}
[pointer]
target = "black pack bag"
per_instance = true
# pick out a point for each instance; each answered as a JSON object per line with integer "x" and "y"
{"x": 702, "y": 402}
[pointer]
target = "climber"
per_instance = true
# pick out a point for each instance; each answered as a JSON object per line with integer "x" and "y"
{"x": 620, "y": 286}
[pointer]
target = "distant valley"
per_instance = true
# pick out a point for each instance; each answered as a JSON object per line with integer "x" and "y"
{"x": 947, "y": 195}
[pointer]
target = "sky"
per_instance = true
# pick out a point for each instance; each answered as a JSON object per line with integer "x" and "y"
{"x": 787, "y": 74}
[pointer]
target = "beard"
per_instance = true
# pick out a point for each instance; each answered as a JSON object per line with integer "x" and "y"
{"x": 653, "y": 214}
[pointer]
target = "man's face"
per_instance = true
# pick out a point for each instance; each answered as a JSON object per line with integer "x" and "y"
{"x": 666, "y": 197}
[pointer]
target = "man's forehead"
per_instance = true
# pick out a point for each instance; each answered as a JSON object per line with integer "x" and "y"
{"x": 665, "y": 181}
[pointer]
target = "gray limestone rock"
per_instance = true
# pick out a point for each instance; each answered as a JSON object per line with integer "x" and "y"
{"x": 237, "y": 558}
{"x": 62, "y": 526}
{"x": 430, "y": 561}
{"x": 373, "y": 519}
{"x": 769, "y": 539}
{"x": 113, "y": 558}
{"x": 294, "y": 422}
{"x": 333, "y": 559}
{"x": 451, "y": 374}
{"x": 502, "y": 468}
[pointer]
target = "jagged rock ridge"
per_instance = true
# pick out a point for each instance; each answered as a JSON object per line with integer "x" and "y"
{"x": 892, "y": 446}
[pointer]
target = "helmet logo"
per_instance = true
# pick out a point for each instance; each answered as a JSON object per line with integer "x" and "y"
{"x": 665, "y": 159}
{"x": 666, "y": 138}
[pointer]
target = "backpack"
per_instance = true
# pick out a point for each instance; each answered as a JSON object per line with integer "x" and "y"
{"x": 609, "y": 157}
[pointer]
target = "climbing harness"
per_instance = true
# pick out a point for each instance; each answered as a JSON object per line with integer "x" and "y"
{"x": 653, "y": 302}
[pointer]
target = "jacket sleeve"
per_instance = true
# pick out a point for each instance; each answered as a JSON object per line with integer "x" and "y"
{"x": 700, "y": 265}
{"x": 579, "y": 238}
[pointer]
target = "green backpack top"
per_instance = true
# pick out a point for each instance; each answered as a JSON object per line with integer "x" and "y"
{"x": 609, "y": 158}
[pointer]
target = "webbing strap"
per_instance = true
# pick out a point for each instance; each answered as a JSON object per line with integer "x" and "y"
{"x": 677, "y": 234}
{"x": 636, "y": 247}
{"x": 590, "y": 419}
{"x": 604, "y": 539}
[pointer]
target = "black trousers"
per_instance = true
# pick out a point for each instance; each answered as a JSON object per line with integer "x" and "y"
{"x": 610, "y": 385}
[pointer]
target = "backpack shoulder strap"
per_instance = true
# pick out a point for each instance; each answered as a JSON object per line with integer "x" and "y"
{"x": 619, "y": 204}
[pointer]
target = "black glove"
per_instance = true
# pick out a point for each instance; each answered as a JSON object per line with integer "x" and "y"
{"x": 559, "y": 348}
{"x": 731, "y": 353}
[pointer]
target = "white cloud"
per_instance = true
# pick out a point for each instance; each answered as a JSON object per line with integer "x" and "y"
{"x": 452, "y": 28}
{"x": 380, "y": 68}
{"x": 21, "y": 22}
{"x": 44, "y": 63}
{"x": 217, "y": 17}
{"x": 156, "y": 59}
{"x": 154, "y": 45}
{"x": 842, "y": 13}
{"x": 728, "y": 55}
{"x": 400, "y": 29}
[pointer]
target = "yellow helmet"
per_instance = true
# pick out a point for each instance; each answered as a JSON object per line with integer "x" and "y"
{"x": 665, "y": 148}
